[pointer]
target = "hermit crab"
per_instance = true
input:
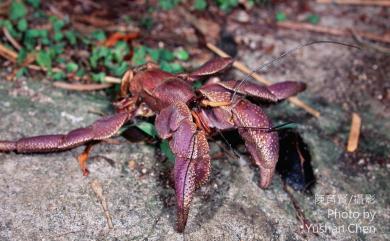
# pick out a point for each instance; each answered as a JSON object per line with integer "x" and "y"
{"x": 186, "y": 118}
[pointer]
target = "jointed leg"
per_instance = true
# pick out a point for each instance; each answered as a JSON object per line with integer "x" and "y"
{"x": 263, "y": 146}
{"x": 191, "y": 150}
{"x": 99, "y": 130}
{"x": 272, "y": 93}
{"x": 83, "y": 158}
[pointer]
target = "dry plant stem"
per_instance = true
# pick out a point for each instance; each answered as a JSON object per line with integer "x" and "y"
{"x": 333, "y": 31}
{"x": 353, "y": 140}
{"x": 358, "y": 2}
{"x": 11, "y": 39}
{"x": 98, "y": 189}
{"x": 8, "y": 53}
{"x": 82, "y": 87}
{"x": 4, "y": 7}
{"x": 240, "y": 66}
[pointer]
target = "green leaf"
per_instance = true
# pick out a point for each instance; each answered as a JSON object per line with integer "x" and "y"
{"x": 146, "y": 23}
{"x": 97, "y": 54}
{"x": 119, "y": 69}
{"x": 58, "y": 75}
{"x": 80, "y": 72}
{"x": 21, "y": 55}
{"x": 197, "y": 84}
{"x": 17, "y": 10}
{"x": 176, "y": 68}
{"x": 288, "y": 125}
{"x": 164, "y": 146}
{"x": 37, "y": 33}
{"x": 173, "y": 68}
{"x": 154, "y": 54}
{"x": 57, "y": 49}
{"x": 227, "y": 5}
{"x": 21, "y": 72}
{"x": 99, "y": 77}
{"x": 181, "y": 54}
{"x": 71, "y": 67}
{"x": 61, "y": 60}
{"x": 99, "y": 35}
{"x": 168, "y": 4}
{"x": 44, "y": 59}
{"x": 71, "y": 37}
{"x": 22, "y": 25}
{"x": 200, "y": 4}
{"x": 139, "y": 55}
{"x": 120, "y": 50}
{"x": 57, "y": 24}
{"x": 58, "y": 36}
{"x": 34, "y": 3}
{"x": 280, "y": 16}
{"x": 147, "y": 127}
{"x": 313, "y": 19}
{"x": 166, "y": 55}
{"x": 45, "y": 41}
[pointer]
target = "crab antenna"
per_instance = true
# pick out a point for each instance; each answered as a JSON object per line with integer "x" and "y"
{"x": 287, "y": 125}
{"x": 288, "y": 52}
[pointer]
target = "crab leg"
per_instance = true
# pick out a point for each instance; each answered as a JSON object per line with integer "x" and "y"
{"x": 99, "y": 130}
{"x": 263, "y": 146}
{"x": 273, "y": 93}
{"x": 212, "y": 67}
{"x": 192, "y": 164}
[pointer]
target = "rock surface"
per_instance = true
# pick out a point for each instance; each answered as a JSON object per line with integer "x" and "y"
{"x": 45, "y": 196}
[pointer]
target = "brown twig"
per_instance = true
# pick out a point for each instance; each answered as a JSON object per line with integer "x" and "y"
{"x": 370, "y": 45}
{"x": 4, "y": 7}
{"x": 8, "y": 53}
{"x": 300, "y": 215}
{"x": 11, "y": 39}
{"x": 98, "y": 189}
{"x": 240, "y": 66}
{"x": 358, "y": 2}
{"x": 333, "y": 31}
{"x": 82, "y": 87}
{"x": 353, "y": 140}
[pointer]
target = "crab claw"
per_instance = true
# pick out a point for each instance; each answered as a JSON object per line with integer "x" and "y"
{"x": 190, "y": 147}
{"x": 252, "y": 124}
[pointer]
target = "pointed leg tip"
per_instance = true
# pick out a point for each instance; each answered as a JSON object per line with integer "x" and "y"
{"x": 181, "y": 221}
{"x": 265, "y": 177}
{"x": 180, "y": 228}
{"x": 264, "y": 183}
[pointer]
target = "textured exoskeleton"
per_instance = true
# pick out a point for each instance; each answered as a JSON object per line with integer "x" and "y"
{"x": 185, "y": 117}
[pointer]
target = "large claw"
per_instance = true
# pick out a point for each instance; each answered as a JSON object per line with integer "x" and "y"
{"x": 252, "y": 124}
{"x": 192, "y": 164}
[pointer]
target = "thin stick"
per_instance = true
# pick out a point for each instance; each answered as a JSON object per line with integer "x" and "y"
{"x": 82, "y": 87}
{"x": 358, "y": 2}
{"x": 353, "y": 140}
{"x": 98, "y": 190}
{"x": 8, "y": 53}
{"x": 113, "y": 80}
{"x": 11, "y": 39}
{"x": 240, "y": 66}
{"x": 333, "y": 31}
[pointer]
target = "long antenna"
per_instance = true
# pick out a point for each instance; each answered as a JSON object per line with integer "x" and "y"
{"x": 287, "y": 125}
{"x": 278, "y": 59}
